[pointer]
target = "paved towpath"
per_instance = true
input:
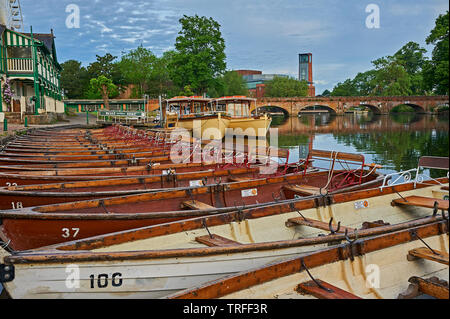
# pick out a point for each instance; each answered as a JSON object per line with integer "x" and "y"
{"x": 79, "y": 118}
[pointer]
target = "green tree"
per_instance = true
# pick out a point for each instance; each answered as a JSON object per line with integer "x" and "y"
{"x": 107, "y": 66}
{"x": 234, "y": 84}
{"x": 411, "y": 56}
{"x": 391, "y": 78}
{"x": 286, "y": 87}
{"x": 364, "y": 83}
{"x": 160, "y": 82}
{"x": 137, "y": 67}
{"x": 74, "y": 79}
{"x": 400, "y": 74}
{"x": 200, "y": 53}
{"x": 105, "y": 86}
{"x": 326, "y": 93}
{"x": 102, "y": 66}
{"x": 187, "y": 91}
{"x": 346, "y": 88}
{"x": 231, "y": 83}
{"x": 436, "y": 72}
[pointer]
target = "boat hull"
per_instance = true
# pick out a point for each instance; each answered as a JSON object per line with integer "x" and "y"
{"x": 37, "y": 195}
{"x": 251, "y": 126}
{"x": 134, "y": 279}
{"x": 104, "y": 213}
{"x": 119, "y": 266}
{"x": 207, "y": 128}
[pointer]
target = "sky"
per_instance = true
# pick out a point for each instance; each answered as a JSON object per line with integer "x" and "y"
{"x": 266, "y": 35}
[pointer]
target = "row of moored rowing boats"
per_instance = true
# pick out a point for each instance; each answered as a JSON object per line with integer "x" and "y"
{"x": 118, "y": 212}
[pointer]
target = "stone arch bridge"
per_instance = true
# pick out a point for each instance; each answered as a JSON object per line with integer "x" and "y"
{"x": 339, "y": 105}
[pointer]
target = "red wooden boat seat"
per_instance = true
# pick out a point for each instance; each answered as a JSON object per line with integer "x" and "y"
{"x": 337, "y": 155}
{"x": 431, "y": 287}
{"x": 426, "y": 253}
{"x": 304, "y": 190}
{"x": 216, "y": 241}
{"x": 427, "y": 202}
{"x": 196, "y": 205}
{"x": 331, "y": 292}
{"x": 315, "y": 224}
{"x": 239, "y": 179}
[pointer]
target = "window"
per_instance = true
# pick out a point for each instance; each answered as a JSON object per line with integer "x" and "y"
{"x": 304, "y": 58}
{"x": 220, "y": 108}
{"x": 245, "y": 110}
{"x": 238, "y": 109}
{"x": 231, "y": 109}
{"x": 19, "y": 52}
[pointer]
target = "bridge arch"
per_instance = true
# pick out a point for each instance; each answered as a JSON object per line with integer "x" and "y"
{"x": 316, "y": 108}
{"x": 271, "y": 109}
{"x": 442, "y": 107}
{"x": 417, "y": 108}
{"x": 373, "y": 108}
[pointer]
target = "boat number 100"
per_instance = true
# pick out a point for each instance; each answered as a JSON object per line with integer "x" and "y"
{"x": 103, "y": 280}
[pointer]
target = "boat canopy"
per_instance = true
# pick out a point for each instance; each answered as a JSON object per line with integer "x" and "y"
{"x": 184, "y": 105}
{"x": 234, "y": 106}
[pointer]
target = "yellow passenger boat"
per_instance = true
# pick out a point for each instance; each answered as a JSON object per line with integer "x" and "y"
{"x": 242, "y": 122}
{"x": 195, "y": 114}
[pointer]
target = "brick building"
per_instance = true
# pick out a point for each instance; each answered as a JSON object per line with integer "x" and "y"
{"x": 256, "y": 81}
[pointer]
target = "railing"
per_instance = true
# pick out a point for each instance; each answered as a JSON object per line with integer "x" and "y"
{"x": 415, "y": 174}
{"x": 119, "y": 116}
{"x": 24, "y": 65}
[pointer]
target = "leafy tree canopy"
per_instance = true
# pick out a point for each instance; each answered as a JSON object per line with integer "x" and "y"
{"x": 105, "y": 86}
{"x": 408, "y": 71}
{"x": 231, "y": 83}
{"x": 286, "y": 87}
{"x": 436, "y": 72}
{"x": 200, "y": 53}
{"x": 74, "y": 79}
{"x": 137, "y": 67}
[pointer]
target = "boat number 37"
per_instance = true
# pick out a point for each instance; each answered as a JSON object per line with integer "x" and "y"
{"x": 70, "y": 232}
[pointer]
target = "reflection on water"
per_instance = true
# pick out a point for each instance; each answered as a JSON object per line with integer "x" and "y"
{"x": 395, "y": 141}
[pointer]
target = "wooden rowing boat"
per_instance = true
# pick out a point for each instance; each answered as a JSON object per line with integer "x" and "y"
{"x": 157, "y": 261}
{"x": 392, "y": 266}
{"x": 182, "y": 152}
{"x": 186, "y": 162}
{"x": 45, "y": 194}
{"x": 26, "y": 231}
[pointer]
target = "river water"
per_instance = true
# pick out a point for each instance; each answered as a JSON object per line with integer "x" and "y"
{"x": 395, "y": 141}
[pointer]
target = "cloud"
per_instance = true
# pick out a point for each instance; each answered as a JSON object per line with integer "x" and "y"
{"x": 417, "y": 9}
{"x": 262, "y": 35}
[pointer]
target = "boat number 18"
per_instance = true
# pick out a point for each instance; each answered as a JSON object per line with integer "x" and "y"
{"x": 17, "y": 205}
{"x": 103, "y": 280}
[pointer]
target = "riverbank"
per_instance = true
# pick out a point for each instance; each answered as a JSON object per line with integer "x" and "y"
{"x": 20, "y": 129}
